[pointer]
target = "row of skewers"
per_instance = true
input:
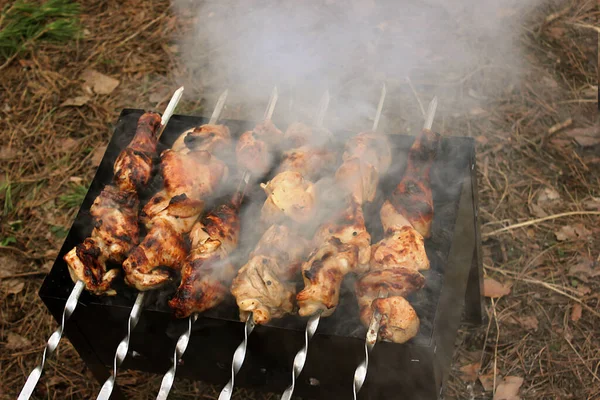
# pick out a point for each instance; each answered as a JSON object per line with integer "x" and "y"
{"x": 263, "y": 287}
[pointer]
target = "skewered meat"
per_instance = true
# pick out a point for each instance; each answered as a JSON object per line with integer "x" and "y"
{"x": 133, "y": 167}
{"x": 359, "y": 179}
{"x": 214, "y": 139}
{"x": 366, "y": 158}
{"x": 208, "y": 271}
{"x": 311, "y": 162}
{"x": 255, "y": 148}
{"x": 115, "y": 213}
{"x": 263, "y": 286}
{"x": 399, "y": 321}
{"x": 370, "y": 148}
{"x": 397, "y": 259}
{"x": 342, "y": 246}
{"x": 115, "y": 233}
{"x": 289, "y": 196}
{"x": 299, "y": 135}
{"x": 412, "y": 197}
{"x": 191, "y": 177}
{"x": 190, "y": 174}
{"x": 164, "y": 245}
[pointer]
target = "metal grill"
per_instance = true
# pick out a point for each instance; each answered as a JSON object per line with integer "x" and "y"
{"x": 417, "y": 368}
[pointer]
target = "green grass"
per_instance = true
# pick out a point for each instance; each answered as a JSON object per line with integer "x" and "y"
{"x": 74, "y": 197}
{"x": 6, "y": 189}
{"x": 23, "y": 22}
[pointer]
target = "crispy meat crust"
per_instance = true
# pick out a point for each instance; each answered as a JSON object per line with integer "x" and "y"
{"x": 207, "y": 271}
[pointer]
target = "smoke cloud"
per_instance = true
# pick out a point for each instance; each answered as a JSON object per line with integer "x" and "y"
{"x": 349, "y": 47}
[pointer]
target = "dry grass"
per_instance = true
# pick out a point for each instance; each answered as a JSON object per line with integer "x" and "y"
{"x": 521, "y": 152}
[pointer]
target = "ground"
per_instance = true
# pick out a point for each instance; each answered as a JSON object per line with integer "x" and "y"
{"x": 538, "y": 155}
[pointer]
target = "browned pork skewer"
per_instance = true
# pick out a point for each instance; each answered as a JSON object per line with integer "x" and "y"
{"x": 115, "y": 212}
{"x": 263, "y": 286}
{"x": 191, "y": 172}
{"x": 397, "y": 259}
{"x": 342, "y": 245}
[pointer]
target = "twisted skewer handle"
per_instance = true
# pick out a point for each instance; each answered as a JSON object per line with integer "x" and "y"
{"x": 300, "y": 359}
{"x": 180, "y": 347}
{"x": 238, "y": 360}
{"x": 360, "y": 373}
{"x": 122, "y": 349}
{"x": 53, "y": 342}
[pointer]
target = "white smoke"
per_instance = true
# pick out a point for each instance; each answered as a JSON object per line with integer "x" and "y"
{"x": 350, "y": 47}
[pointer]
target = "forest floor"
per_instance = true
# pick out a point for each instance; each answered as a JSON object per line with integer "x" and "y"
{"x": 538, "y": 160}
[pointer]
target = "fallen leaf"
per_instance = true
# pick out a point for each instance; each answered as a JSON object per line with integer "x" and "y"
{"x": 548, "y": 81}
{"x": 469, "y": 372}
{"x": 571, "y": 232}
{"x": 7, "y": 153}
{"x": 15, "y": 342}
{"x": 475, "y": 111}
{"x": 584, "y": 270}
{"x": 592, "y": 204}
{"x": 508, "y": 388}
{"x": 55, "y": 380}
{"x": 585, "y": 137}
{"x": 529, "y": 322}
{"x": 482, "y": 139}
{"x": 98, "y": 154}
{"x": 584, "y": 290}
{"x": 76, "y": 179}
{"x": 576, "y": 312}
{"x": 68, "y": 144}
{"x": 487, "y": 381}
{"x": 548, "y": 196}
{"x": 100, "y": 83}
{"x": 13, "y": 286}
{"x": 537, "y": 211}
{"x": 556, "y": 32}
{"x": 494, "y": 289}
{"x": 75, "y": 101}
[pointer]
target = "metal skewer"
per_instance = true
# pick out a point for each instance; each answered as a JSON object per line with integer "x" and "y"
{"x": 182, "y": 342}
{"x": 240, "y": 353}
{"x": 313, "y": 322}
{"x": 73, "y": 298}
{"x": 360, "y": 373}
{"x": 134, "y": 316}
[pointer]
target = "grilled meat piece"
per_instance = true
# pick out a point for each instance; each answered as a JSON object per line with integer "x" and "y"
{"x": 412, "y": 197}
{"x": 208, "y": 271}
{"x": 214, "y": 139}
{"x": 115, "y": 232}
{"x": 399, "y": 321}
{"x": 341, "y": 246}
{"x": 255, "y": 148}
{"x": 366, "y": 158}
{"x": 359, "y": 179}
{"x": 370, "y": 148}
{"x": 264, "y": 285}
{"x": 115, "y": 212}
{"x": 190, "y": 174}
{"x": 299, "y": 134}
{"x": 311, "y": 162}
{"x": 397, "y": 259}
{"x": 189, "y": 177}
{"x": 289, "y": 196}
{"x": 133, "y": 167}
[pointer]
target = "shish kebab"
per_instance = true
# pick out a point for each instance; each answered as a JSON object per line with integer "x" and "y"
{"x": 397, "y": 259}
{"x": 170, "y": 214}
{"x": 342, "y": 244}
{"x": 115, "y": 225}
{"x": 208, "y": 270}
{"x": 261, "y": 286}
